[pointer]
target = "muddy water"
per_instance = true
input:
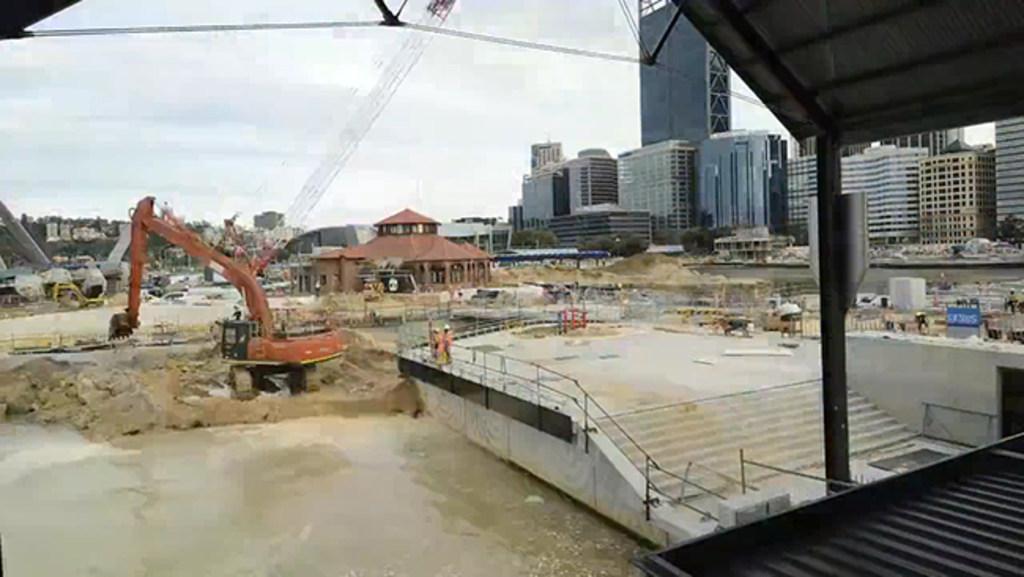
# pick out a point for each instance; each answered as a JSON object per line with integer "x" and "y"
{"x": 325, "y": 497}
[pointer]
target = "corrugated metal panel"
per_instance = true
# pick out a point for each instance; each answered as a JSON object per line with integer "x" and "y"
{"x": 962, "y": 516}
{"x": 872, "y": 69}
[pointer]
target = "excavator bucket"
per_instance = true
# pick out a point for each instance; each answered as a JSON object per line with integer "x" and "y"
{"x": 120, "y": 328}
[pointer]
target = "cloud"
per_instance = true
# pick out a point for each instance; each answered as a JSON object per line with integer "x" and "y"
{"x": 219, "y": 123}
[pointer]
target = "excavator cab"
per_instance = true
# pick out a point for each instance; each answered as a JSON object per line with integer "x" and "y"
{"x": 235, "y": 337}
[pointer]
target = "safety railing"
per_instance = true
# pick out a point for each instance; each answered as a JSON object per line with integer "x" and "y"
{"x": 714, "y": 478}
{"x": 714, "y": 398}
{"x": 744, "y": 462}
{"x": 956, "y": 425}
{"x": 533, "y": 381}
{"x": 151, "y": 335}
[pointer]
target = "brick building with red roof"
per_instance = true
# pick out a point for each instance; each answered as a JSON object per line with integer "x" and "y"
{"x": 407, "y": 241}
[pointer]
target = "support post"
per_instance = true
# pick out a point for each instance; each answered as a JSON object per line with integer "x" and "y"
{"x": 743, "y": 473}
{"x": 831, "y": 261}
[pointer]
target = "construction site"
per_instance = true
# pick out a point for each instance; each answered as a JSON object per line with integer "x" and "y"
{"x": 670, "y": 402}
{"x": 224, "y": 400}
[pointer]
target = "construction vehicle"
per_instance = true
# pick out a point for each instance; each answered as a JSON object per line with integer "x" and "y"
{"x": 68, "y": 292}
{"x": 373, "y": 291}
{"x": 254, "y": 348}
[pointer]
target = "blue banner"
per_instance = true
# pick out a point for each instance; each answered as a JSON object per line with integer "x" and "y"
{"x": 963, "y": 317}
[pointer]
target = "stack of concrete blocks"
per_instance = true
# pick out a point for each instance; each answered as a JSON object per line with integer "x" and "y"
{"x": 751, "y": 507}
{"x": 907, "y": 293}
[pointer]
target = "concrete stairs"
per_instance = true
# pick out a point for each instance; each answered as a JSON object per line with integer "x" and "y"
{"x": 781, "y": 427}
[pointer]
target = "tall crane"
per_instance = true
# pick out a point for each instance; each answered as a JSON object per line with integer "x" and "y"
{"x": 253, "y": 346}
{"x": 371, "y": 107}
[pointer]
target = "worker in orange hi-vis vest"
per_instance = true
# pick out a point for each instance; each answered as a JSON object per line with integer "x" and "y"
{"x": 438, "y": 344}
{"x": 448, "y": 340}
{"x": 434, "y": 335}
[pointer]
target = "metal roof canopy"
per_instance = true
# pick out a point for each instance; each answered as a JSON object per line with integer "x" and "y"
{"x": 960, "y": 516}
{"x": 17, "y": 15}
{"x": 848, "y": 72}
{"x": 872, "y": 69}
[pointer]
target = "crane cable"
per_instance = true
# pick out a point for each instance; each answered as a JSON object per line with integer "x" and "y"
{"x": 632, "y": 26}
{"x": 197, "y": 28}
{"x": 311, "y": 194}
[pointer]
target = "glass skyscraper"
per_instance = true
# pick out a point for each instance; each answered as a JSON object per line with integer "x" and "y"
{"x": 1010, "y": 168}
{"x": 743, "y": 181}
{"x": 662, "y": 180}
{"x": 686, "y": 96}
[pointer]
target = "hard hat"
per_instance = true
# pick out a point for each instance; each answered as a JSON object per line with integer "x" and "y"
{"x": 447, "y": 328}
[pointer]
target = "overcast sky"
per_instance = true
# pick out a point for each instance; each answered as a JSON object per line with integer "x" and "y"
{"x": 223, "y": 123}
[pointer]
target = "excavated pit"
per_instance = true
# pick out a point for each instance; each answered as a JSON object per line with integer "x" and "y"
{"x": 127, "y": 391}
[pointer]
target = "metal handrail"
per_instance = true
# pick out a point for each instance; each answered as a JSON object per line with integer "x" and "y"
{"x": 588, "y": 400}
{"x": 826, "y": 480}
{"x": 928, "y": 418}
{"x": 959, "y": 410}
{"x": 517, "y": 377}
{"x": 590, "y": 425}
{"x": 714, "y": 398}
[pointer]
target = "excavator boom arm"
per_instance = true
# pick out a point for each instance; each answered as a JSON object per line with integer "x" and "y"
{"x": 146, "y": 221}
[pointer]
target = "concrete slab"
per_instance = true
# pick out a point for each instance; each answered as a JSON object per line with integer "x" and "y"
{"x": 643, "y": 366}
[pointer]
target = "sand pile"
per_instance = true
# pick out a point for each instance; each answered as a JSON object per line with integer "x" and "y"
{"x": 131, "y": 391}
{"x": 655, "y": 271}
{"x": 651, "y": 264}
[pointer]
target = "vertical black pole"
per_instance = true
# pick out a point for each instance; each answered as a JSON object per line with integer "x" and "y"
{"x": 831, "y": 263}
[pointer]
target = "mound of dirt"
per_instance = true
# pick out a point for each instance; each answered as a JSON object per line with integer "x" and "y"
{"x": 650, "y": 264}
{"x": 131, "y": 391}
{"x": 652, "y": 271}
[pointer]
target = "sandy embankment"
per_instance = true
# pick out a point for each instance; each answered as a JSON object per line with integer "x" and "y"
{"x": 128, "y": 391}
{"x": 652, "y": 271}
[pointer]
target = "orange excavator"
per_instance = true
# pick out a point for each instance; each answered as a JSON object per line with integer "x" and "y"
{"x": 252, "y": 346}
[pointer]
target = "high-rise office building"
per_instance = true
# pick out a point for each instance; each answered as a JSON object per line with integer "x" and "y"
{"x": 593, "y": 179}
{"x": 743, "y": 181}
{"x": 802, "y": 177}
{"x": 545, "y": 196}
{"x": 1010, "y": 168}
{"x": 662, "y": 180}
{"x": 935, "y": 141}
{"x": 958, "y": 195}
{"x": 545, "y": 154}
{"x": 601, "y": 221}
{"x": 686, "y": 96}
{"x": 890, "y": 177}
{"x": 809, "y": 146}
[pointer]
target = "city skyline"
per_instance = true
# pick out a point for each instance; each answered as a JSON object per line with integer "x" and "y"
{"x": 90, "y": 140}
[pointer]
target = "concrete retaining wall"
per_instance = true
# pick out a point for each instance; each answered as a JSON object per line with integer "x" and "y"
{"x": 592, "y": 478}
{"x": 901, "y": 375}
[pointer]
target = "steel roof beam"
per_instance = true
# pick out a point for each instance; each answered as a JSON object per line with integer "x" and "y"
{"x": 840, "y": 31}
{"x": 997, "y": 42}
{"x": 764, "y": 53}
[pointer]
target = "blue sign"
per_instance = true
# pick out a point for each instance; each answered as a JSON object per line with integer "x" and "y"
{"x": 963, "y": 317}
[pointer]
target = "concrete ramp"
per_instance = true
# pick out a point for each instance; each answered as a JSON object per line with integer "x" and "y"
{"x": 781, "y": 426}
{"x": 551, "y": 435}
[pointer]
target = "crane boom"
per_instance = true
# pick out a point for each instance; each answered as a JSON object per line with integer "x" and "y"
{"x": 146, "y": 221}
{"x": 249, "y": 343}
{"x": 369, "y": 110}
